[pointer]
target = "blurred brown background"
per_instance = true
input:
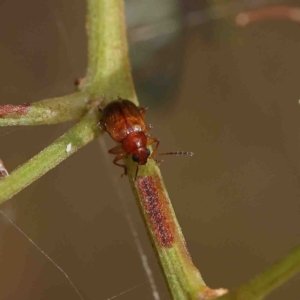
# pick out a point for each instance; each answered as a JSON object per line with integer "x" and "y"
{"x": 229, "y": 94}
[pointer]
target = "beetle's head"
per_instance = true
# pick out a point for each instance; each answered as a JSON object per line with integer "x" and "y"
{"x": 140, "y": 155}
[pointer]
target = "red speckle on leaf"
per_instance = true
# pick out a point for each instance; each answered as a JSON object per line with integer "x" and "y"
{"x": 14, "y": 110}
{"x": 154, "y": 207}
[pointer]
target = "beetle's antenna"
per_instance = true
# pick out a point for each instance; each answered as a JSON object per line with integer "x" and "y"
{"x": 178, "y": 153}
{"x": 136, "y": 171}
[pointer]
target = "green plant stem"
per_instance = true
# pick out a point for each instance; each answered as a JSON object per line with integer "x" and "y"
{"x": 48, "y": 111}
{"x": 108, "y": 73}
{"x": 268, "y": 280}
{"x": 109, "y": 77}
{"x": 184, "y": 279}
{"x": 78, "y": 136}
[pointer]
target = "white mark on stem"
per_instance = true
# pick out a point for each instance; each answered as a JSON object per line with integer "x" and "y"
{"x": 69, "y": 148}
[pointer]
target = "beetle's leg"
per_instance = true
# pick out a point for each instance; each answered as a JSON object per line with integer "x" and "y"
{"x": 150, "y": 142}
{"x": 148, "y": 128}
{"x": 118, "y": 157}
{"x": 143, "y": 111}
{"x": 101, "y": 125}
{"x": 116, "y": 150}
{"x": 120, "y": 154}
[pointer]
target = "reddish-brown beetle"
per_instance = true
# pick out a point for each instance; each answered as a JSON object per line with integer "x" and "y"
{"x": 125, "y": 123}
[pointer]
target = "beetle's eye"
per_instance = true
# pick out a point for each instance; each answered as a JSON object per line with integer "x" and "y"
{"x": 135, "y": 157}
{"x": 148, "y": 152}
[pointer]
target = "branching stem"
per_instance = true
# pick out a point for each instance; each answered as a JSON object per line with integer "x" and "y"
{"x": 109, "y": 77}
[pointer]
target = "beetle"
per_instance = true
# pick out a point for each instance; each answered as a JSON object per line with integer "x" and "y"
{"x": 125, "y": 123}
